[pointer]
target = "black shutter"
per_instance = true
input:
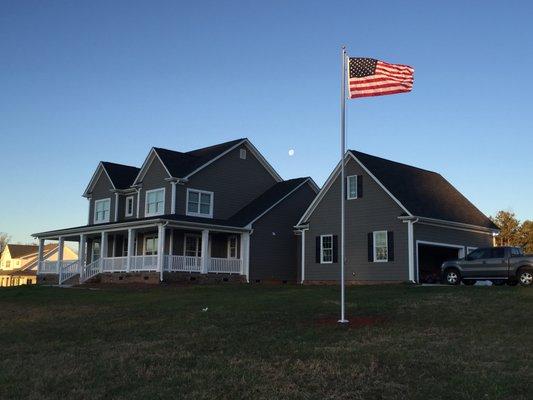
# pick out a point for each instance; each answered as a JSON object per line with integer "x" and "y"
{"x": 359, "y": 186}
{"x": 335, "y": 249}
{"x": 390, "y": 245}
{"x": 317, "y": 250}
{"x": 370, "y": 247}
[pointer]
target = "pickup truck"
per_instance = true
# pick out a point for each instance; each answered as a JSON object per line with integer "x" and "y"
{"x": 496, "y": 264}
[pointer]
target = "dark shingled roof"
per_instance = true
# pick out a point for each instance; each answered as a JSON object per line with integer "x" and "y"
{"x": 122, "y": 176}
{"x": 424, "y": 193}
{"x": 182, "y": 164}
{"x": 262, "y": 203}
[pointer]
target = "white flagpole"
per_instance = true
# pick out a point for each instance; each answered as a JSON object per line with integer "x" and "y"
{"x": 343, "y": 319}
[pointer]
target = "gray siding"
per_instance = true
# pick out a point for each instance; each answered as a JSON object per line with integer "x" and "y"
{"x": 235, "y": 183}
{"x": 374, "y": 211}
{"x": 155, "y": 179}
{"x": 102, "y": 190}
{"x": 456, "y": 237}
{"x": 273, "y": 245}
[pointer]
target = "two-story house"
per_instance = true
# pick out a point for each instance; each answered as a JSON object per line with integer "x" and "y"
{"x": 220, "y": 211}
{"x": 18, "y": 262}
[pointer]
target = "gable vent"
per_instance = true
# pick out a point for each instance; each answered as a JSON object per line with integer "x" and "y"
{"x": 242, "y": 154}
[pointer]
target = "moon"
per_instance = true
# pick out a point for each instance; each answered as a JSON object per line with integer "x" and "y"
{"x": 291, "y": 152}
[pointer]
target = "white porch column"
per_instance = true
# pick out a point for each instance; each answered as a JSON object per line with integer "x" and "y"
{"x": 160, "y": 250}
{"x": 303, "y": 257}
{"x": 131, "y": 248}
{"x": 40, "y": 255}
{"x": 411, "y": 250}
{"x": 245, "y": 255}
{"x": 60, "y": 245}
{"x": 81, "y": 252}
{"x": 205, "y": 251}
{"x": 173, "y": 199}
{"x": 103, "y": 249}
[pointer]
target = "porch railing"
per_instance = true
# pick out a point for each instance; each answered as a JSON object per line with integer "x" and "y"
{"x": 68, "y": 271}
{"x": 90, "y": 270}
{"x": 183, "y": 263}
{"x": 143, "y": 263}
{"x": 114, "y": 264}
{"x": 224, "y": 265}
{"x": 50, "y": 267}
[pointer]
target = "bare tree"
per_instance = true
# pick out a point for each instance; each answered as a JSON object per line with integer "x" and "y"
{"x": 4, "y": 239}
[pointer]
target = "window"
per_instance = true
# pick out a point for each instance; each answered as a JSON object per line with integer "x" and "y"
{"x": 380, "y": 247}
{"x": 101, "y": 210}
{"x": 129, "y": 206}
{"x": 326, "y": 249}
{"x": 232, "y": 246}
{"x": 516, "y": 252}
{"x": 497, "y": 252}
{"x": 95, "y": 252}
{"x": 479, "y": 254}
{"x": 150, "y": 245}
{"x": 242, "y": 154}
{"x": 154, "y": 202}
{"x": 351, "y": 187}
{"x": 470, "y": 249}
{"x": 199, "y": 203}
{"x": 193, "y": 246}
{"x": 8, "y": 264}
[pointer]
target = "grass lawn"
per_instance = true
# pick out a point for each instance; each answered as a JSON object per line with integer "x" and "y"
{"x": 266, "y": 342}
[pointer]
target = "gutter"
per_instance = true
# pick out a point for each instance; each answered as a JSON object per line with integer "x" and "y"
{"x": 448, "y": 223}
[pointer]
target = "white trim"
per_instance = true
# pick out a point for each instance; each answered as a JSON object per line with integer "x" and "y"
{"x": 411, "y": 250}
{"x": 198, "y": 214}
{"x": 173, "y": 199}
{"x": 308, "y": 180}
{"x": 451, "y": 225}
{"x": 348, "y": 187}
{"x": 242, "y": 154}
{"x": 138, "y": 202}
{"x": 322, "y": 249}
{"x": 146, "y": 165}
{"x": 116, "y": 206}
{"x": 448, "y": 245}
{"x": 303, "y": 256}
{"x": 228, "y": 247}
{"x": 146, "y": 192}
{"x": 374, "y": 233}
{"x": 108, "y": 213}
{"x": 96, "y": 175}
{"x": 132, "y": 198}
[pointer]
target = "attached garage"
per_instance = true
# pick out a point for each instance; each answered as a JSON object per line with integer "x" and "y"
{"x": 430, "y": 257}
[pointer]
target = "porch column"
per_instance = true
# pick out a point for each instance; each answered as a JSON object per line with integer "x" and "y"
{"x": 81, "y": 253}
{"x": 160, "y": 250}
{"x": 40, "y": 255}
{"x": 205, "y": 251}
{"x": 103, "y": 249}
{"x": 303, "y": 256}
{"x": 131, "y": 249}
{"x": 245, "y": 255}
{"x": 411, "y": 250}
{"x": 60, "y": 244}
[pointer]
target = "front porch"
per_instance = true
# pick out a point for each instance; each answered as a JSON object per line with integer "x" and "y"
{"x": 162, "y": 249}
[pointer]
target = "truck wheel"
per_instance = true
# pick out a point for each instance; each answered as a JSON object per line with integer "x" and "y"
{"x": 525, "y": 277}
{"x": 453, "y": 277}
{"x": 469, "y": 282}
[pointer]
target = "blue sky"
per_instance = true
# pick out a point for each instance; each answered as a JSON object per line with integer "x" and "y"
{"x": 82, "y": 82}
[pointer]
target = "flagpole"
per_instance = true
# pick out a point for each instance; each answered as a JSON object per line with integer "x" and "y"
{"x": 343, "y": 319}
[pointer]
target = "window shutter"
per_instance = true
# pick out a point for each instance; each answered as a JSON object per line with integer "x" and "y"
{"x": 359, "y": 186}
{"x": 370, "y": 247}
{"x": 390, "y": 245}
{"x": 317, "y": 250}
{"x": 335, "y": 249}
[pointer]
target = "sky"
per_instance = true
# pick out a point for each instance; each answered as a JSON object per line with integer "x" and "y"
{"x": 95, "y": 80}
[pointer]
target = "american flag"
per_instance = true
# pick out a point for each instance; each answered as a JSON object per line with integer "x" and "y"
{"x": 369, "y": 77}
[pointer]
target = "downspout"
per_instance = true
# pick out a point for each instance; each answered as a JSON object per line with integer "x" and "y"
{"x": 411, "y": 248}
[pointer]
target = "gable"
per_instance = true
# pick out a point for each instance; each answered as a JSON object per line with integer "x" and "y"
{"x": 97, "y": 175}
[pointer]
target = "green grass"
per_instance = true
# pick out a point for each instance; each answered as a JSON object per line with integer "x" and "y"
{"x": 266, "y": 342}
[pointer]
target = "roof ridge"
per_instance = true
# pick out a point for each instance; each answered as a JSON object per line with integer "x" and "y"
{"x": 122, "y": 165}
{"x": 394, "y": 162}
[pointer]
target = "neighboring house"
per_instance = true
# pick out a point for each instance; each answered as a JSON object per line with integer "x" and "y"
{"x": 401, "y": 223}
{"x": 218, "y": 212}
{"x": 18, "y": 262}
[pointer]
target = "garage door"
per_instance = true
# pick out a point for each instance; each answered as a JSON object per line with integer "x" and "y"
{"x": 431, "y": 257}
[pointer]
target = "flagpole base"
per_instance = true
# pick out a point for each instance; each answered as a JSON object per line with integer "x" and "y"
{"x": 343, "y": 321}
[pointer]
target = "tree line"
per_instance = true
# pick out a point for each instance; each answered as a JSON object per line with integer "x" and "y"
{"x": 513, "y": 232}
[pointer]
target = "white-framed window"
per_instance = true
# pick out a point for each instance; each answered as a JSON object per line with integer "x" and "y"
{"x": 150, "y": 245}
{"x": 154, "y": 202}
{"x": 232, "y": 246}
{"x": 199, "y": 203}
{"x": 129, "y": 206}
{"x": 351, "y": 187}
{"x": 326, "y": 249}
{"x": 381, "y": 248}
{"x": 242, "y": 154}
{"x": 102, "y": 210}
{"x": 192, "y": 245}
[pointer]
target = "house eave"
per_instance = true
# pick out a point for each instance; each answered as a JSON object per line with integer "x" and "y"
{"x": 446, "y": 223}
